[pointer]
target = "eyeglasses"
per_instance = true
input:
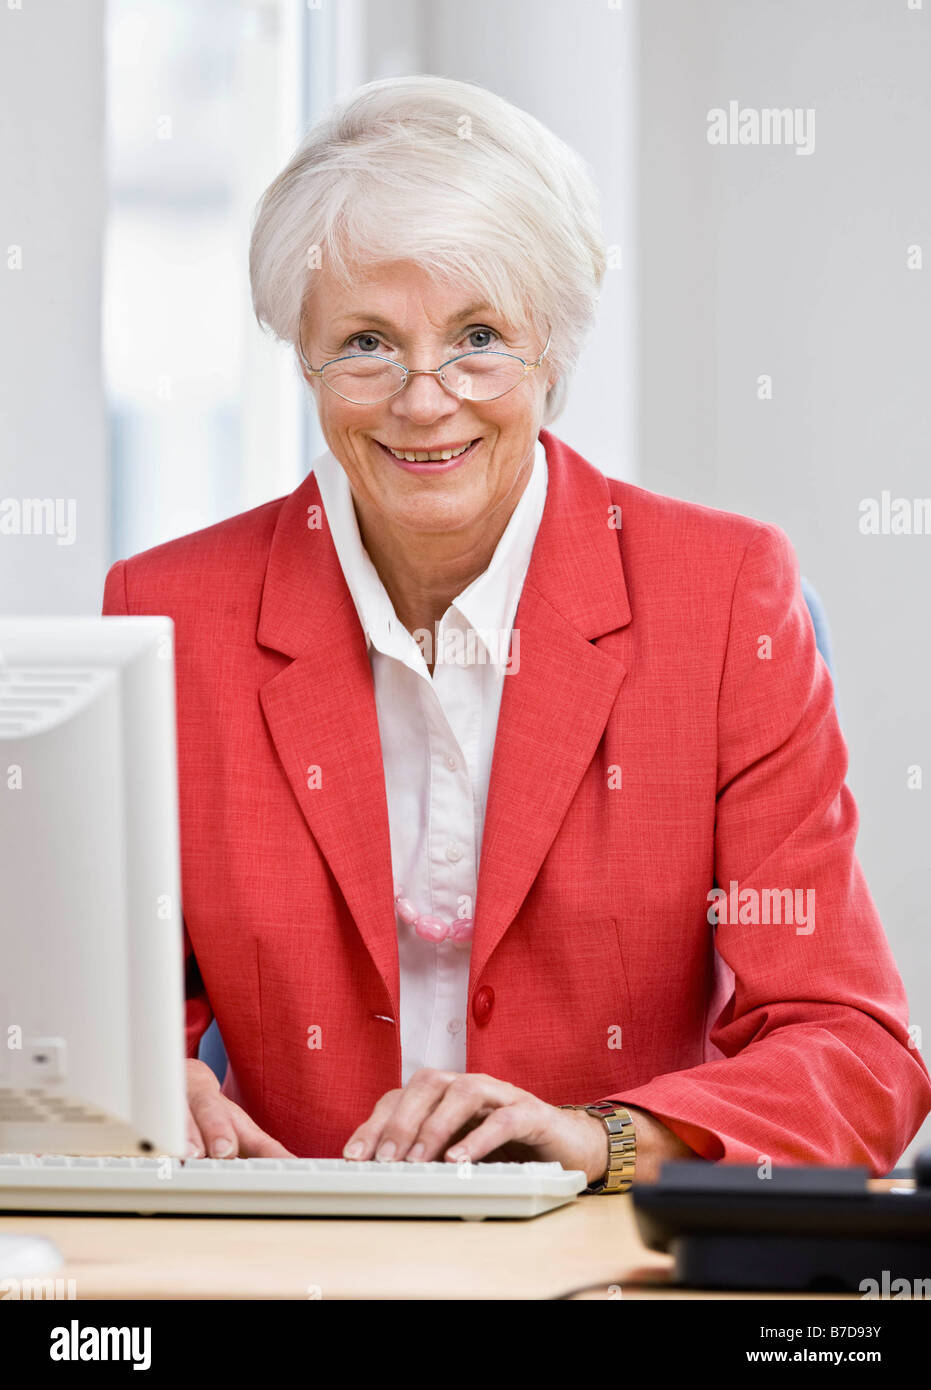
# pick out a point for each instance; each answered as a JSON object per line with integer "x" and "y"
{"x": 365, "y": 379}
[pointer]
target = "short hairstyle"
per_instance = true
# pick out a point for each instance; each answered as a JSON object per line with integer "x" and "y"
{"x": 454, "y": 178}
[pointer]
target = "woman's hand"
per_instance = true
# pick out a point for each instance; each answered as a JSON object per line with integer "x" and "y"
{"x": 218, "y": 1127}
{"x": 458, "y": 1116}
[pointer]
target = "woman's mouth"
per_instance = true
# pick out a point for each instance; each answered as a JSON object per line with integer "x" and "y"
{"x": 441, "y": 460}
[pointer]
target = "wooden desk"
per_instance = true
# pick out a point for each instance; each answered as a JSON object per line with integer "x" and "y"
{"x": 594, "y": 1241}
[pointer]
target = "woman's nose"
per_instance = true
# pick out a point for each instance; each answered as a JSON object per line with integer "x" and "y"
{"x": 424, "y": 398}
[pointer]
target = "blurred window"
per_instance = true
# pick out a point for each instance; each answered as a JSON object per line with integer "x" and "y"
{"x": 207, "y": 415}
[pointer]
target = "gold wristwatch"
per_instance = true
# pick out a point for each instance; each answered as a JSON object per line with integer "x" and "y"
{"x": 622, "y": 1145}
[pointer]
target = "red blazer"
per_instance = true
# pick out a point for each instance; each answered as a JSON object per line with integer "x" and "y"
{"x": 595, "y": 970}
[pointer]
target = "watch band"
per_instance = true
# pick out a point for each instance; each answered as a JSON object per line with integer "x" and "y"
{"x": 622, "y": 1145}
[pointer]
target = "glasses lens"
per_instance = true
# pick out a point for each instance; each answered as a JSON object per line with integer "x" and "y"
{"x": 364, "y": 380}
{"x": 481, "y": 376}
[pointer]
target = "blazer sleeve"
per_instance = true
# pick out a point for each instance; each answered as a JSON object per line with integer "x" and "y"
{"x": 198, "y": 1011}
{"x": 818, "y": 1065}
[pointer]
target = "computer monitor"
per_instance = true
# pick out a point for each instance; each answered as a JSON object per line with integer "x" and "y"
{"x": 91, "y": 957}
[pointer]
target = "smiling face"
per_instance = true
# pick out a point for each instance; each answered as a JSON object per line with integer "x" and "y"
{"x": 400, "y": 312}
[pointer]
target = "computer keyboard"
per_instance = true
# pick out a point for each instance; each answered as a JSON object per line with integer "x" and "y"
{"x": 283, "y": 1186}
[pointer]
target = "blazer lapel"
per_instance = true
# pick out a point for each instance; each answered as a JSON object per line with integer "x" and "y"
{"x": 556, "y": 703}
{"x": 320, "y": 712}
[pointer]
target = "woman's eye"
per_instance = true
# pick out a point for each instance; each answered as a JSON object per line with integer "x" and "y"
{"x": 367, "y": 341}
{"x": 487, "y": 333}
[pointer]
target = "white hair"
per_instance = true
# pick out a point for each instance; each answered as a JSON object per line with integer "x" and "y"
{"x": 451, "y": 177}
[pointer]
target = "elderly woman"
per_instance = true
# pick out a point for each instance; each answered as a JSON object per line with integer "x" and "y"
{"x": 514, "y": 821}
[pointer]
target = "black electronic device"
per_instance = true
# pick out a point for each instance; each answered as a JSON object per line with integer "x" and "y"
{"x": 816, "y": 1229}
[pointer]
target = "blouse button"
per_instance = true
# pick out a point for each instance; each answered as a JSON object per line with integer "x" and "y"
{"x": 483, "y": 1003}
{"x": 453, "y": 853}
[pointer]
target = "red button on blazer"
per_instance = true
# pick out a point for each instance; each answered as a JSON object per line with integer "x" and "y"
{"x": 483, "y": 1004}
{"x": 649, "y": 747}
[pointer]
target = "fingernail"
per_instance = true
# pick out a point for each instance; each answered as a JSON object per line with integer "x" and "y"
{"x": 457, "y": 1152}
{"x": 415, "y": 1153}
{"x": 353, "y": 1150}
{"x": 386, "y": 1152}
{"x": 221, "y": 1148}
{"x": 192, "y": 1151}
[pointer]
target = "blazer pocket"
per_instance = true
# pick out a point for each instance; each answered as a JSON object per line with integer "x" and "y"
{"x": 572, "y": 1006}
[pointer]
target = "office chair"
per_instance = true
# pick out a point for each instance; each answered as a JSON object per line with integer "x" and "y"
{"x": 820, "y": 623}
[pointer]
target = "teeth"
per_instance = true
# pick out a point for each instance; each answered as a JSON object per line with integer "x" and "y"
{"x": 421, "y": 457}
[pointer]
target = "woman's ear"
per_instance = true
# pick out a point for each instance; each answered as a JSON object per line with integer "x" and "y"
{"x": 310, "y": 380}
{"x": 300, "y": 347}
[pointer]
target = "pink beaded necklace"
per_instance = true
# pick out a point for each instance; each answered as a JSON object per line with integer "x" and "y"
{"x": 458, "y": 932}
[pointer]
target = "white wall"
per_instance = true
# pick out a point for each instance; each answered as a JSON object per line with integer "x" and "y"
{"x": 52, "y": 432}
{"x": 757, "y": 260}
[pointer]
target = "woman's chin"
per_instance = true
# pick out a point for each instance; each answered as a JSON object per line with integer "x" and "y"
{"x": 432, "y": 517}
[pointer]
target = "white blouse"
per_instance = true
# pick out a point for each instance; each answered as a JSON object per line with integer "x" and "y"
{"x": 437, "y": 737}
